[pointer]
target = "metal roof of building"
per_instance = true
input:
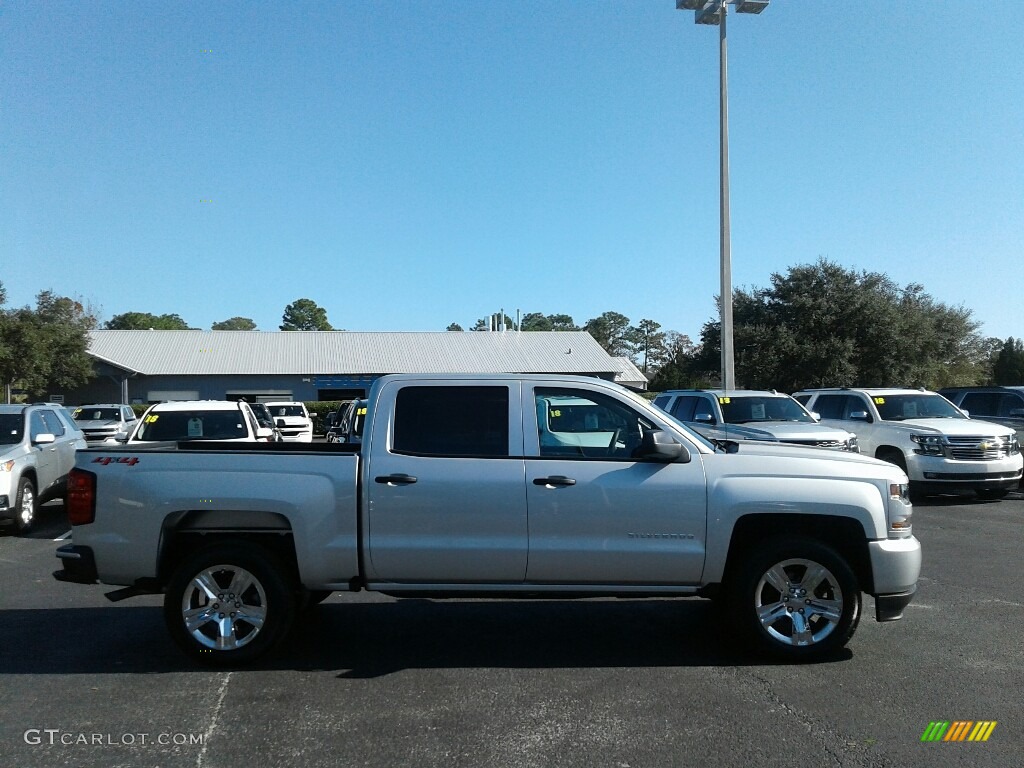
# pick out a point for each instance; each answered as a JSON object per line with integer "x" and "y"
{"x": 350, "y": 352}
{"x": 628, "y": 374}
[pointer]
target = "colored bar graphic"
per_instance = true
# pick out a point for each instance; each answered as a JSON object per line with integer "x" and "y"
{"x": 959, "y": 730}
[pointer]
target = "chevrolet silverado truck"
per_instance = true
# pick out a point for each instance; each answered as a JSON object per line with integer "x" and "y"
{"x": 498, "y": 486}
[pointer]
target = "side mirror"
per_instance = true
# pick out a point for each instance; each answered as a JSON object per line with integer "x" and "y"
{"x": 704, "y": 418}
{"x": 43, "y": 439}
{"x": 264, "y": 433}
{"x": 860, "y": 416}
{"x": 815, "y": 415}
{"x": 659, "y": 445}
{"x": 965, "y": 412}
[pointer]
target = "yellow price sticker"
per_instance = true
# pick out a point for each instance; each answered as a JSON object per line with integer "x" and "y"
{"x": 879, "y": 401}
{"x": 361, "y": 412}
{"x": 556, "y": 413}
{"x": 152, "y": 418}
{"x": 725, "y": 400}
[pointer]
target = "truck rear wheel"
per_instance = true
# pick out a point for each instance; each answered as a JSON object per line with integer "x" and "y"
{"x": 229, "y": 604}
{"x": 795, "y": 598}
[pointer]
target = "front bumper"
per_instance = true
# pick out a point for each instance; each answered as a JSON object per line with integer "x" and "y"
{"x": 895, "y": 568}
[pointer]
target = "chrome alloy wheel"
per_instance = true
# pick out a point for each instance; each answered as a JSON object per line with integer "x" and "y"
{"x": 224, "y": 607}
{"x": 799, "y": 602}
{"x": 26, "y": 506}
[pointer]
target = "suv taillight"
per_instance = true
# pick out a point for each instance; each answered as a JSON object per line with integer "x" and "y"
{"x": 81, "y": 505}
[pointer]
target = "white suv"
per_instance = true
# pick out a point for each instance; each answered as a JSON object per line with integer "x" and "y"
{"x": 936, "y": 444}
{"x": 293, "y": 420}
{"x": 199, "y": 420}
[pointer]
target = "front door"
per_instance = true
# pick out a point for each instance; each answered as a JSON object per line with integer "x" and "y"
{"x": 598, "y": 514}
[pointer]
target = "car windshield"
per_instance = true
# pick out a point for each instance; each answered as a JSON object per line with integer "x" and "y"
{"x": 743, "y": 409}
{"x": 287, "y": 410}
{"x": 193, "y": 425}
{"x": 925, "y": 405}
{"x": 12, "y": 428}
{"x": 96, "y": 414}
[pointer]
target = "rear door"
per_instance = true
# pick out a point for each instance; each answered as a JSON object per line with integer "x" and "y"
{"x": 445, "y": 490}
{"x": 598, "y": 514}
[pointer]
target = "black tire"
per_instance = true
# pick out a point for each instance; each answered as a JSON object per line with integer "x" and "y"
{"x": 780, "y": 613}
{"x": 25, "y": 506}
{"x": 992, "y": 494}
{"x": 263, "y": 609}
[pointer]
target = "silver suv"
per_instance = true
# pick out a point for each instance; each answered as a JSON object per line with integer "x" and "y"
{"x": 37, "y": 450}
{"x": 105, "y": 423}
{"x": 752, "y": 415}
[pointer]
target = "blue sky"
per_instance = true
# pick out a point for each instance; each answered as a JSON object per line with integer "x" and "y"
{"x": 411, "y": 163}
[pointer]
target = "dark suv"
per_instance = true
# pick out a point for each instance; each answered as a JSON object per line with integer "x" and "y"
{"x": 1002, "y": 405}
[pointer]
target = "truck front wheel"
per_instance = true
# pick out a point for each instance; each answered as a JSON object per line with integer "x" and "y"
{"x": 795, "y": 598}
{"x": 229, "y": 604}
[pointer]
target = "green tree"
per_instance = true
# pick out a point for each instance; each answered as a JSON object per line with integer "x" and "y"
{"x": 234, "y": 324}
{"x": 649, "y": 345}
{"x": 613, "y": 332}
{"x": 454, "y": 327}
{"x": 682, "y": 367}
{"x": 47, "y": 346}
{"x": 536, "y": 321}
{"x": 824, "y": 325}
{"x": 1008, "y": 369}
{"x": 144, "y": 321}
{"x": 305, "y": 315}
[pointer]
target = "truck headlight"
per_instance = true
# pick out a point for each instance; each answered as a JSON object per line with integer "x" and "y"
{"x": 852, "y": 445}
{"x": 931, "y": 445}
{"x": 1014, "y": 445}
{"x": 6, "y": 466}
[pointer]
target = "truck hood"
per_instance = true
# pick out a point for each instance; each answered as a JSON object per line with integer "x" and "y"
{"x": 97, "y": 424}
{"x": 776, "y": 459}
{"x": 953, "y": 427}
{"x": 800, "y": 430}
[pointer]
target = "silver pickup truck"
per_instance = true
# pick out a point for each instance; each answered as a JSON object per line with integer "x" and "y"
{"x": 501, "y": 486}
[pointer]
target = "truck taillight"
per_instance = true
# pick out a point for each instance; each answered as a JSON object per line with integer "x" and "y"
{"x": 81, "y": 505}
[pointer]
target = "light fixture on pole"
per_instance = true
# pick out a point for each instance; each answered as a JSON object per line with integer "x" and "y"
{"x": 714, "y": 12}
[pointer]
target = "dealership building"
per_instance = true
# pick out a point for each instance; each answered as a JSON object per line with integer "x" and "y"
{"x": 153, "y": 366}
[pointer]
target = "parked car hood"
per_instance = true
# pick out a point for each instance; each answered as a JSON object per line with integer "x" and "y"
{"x": 800, "y": 430}
{"x": 955, "y": 427}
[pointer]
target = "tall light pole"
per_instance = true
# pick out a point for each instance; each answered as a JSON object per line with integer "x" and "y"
{"x": 714, "y": 12}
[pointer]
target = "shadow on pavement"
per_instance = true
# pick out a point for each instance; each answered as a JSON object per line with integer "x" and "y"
{"x": 367, "y": 640}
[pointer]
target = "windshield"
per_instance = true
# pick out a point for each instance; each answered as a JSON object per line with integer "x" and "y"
{"x": 744, "y": 409}
{"x": 287, "y": 410}
{"x": 12, "y": 428}
{"x": 925, "y": 405}
{"x": 96, "y": 414}
{"x": 193, "y": 425}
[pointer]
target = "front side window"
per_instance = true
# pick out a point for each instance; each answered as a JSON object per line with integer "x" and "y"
{"x": 683, "y": 408}
{"x": 53, "y": 424}
{"x": 452, "y": 421}
{"x": 575, "y": 423}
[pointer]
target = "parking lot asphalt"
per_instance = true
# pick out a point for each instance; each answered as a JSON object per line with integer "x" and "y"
{"x": 372, "y": 681}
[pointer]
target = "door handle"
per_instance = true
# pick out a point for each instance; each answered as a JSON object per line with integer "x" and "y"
{"x": 397, "y": 479}
{"x": 559, "y": 480}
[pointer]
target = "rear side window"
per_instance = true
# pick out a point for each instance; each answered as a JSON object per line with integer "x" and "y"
{"x": 981, "y": 403}
{"x": 452, "y": 421}
{"x": 834, "y": 406}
